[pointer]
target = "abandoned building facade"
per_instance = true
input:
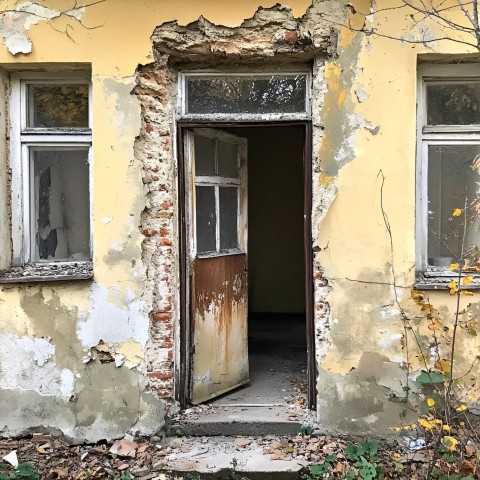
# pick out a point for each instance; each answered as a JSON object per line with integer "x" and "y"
{"x": 199, "y": 196}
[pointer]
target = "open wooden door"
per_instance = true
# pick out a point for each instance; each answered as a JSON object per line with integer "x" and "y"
{"x": 217, "y": 217}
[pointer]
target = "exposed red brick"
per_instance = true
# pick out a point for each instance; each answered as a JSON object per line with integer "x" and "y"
{"x": 148, "y": 128}
{"x": 166, "y": 375}
{"x": 161, "y": 317}
{"x": 291, "y": 36}
{"x": 165, "y": 241}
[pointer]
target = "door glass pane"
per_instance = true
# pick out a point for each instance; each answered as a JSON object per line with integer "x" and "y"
{"x": 206, "y": 219}
{"x": 227, "y": 159}
{"x": 452, "y": 177}
{"x": 61, "y": 204}
{"x": 204, "y": 156}
{"x": 454, "y": 104}
{"x": 246, "y": 94}
{"x": 56, "y": 106}
{"x": 228, "y": 217}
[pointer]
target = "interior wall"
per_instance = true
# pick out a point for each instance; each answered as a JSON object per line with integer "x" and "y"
{"x": 276, "y": 271}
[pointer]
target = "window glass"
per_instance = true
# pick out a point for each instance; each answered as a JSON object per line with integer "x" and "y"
{"x": 61, "y": 203}
{"x": 453, "y": 104}
{"x": 57, "y": 106}
{"x": 206, "y": 219}
{"x": 228, "y": 217}
{"x": 227, "y": 159}
{"x": 204, "y": 156}
{"x": 453, "y": 176}
{"x": 254, "y": 94}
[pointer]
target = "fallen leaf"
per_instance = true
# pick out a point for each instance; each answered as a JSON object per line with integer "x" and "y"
{"x": 278, "y": 456}
{"x": 457, "y": 212}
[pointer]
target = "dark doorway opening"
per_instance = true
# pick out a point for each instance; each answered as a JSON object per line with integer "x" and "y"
{"x": 280, "y": 294}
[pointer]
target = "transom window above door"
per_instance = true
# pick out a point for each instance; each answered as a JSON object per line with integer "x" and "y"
{"x": 245, "y": 95}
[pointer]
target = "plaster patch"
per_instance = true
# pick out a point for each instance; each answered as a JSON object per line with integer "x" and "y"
{"x": 27, "y": 363}
{"x": 15, "y": 24}
{"x": 111, "y": 323}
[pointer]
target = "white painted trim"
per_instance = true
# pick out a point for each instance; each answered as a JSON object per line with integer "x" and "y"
{"x": 16, "y": 166}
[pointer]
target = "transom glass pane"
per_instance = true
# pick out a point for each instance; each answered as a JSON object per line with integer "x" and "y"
{"x": 57, "y": 106}
{"x": 206, "y": 219}
{"x": 61, "y": 218}
{"x": 453, "y": 104}
{"x": 453, "y": 176}
{"x": 251, "y": 94}
{"x": 228, "y": 217}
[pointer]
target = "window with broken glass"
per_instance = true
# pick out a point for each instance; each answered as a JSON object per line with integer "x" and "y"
{"x": 448, "y": 173}
{"x": 50, "y": 156}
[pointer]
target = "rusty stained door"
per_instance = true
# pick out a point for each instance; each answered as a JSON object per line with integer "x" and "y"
{"x": 217, "y": 222}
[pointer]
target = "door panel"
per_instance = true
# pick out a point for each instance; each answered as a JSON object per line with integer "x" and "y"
{"x": 219, "y": 312}
{"x": 217, "y": 214}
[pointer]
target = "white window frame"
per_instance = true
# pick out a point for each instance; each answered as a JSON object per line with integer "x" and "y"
{"x": 436, "y": 135}
{"x": 182, "y": 94}
{"x": 22, "y": 138}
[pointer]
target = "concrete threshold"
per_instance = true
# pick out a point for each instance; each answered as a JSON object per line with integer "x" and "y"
{"x": 227, "y": 458}
{"x": 237, "y": 420}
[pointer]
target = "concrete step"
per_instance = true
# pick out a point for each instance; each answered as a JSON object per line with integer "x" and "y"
{"x": 220, "y": 458}
{"x": 237, "y": 420}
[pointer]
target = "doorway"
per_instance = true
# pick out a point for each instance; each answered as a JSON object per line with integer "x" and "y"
{"x": 280, "y": 365}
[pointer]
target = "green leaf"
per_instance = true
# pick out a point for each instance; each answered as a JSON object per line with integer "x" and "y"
{"x": 319, "y": 469}
{"x": 426, "y": 378}
{"x": 330, "y": 458}
{"x": 350, "y": 475}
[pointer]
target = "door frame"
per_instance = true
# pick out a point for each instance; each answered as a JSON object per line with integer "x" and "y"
{"x": 182, "y": 377}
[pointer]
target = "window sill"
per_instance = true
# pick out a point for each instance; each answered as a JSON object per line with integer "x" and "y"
{"x": 440, "y": 281}
{"x": 49, "y": 272}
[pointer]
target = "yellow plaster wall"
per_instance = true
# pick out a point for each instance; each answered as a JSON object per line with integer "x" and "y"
{"x": 355, "y": 248}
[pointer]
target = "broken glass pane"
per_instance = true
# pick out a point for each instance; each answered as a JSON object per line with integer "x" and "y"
{"x": 246, "y": 94}
{"x": 206, "y": 216}
{"x": 204, "y": 155}
{"x": 57, "y": 106}
{"x": 228, "y": 217}
{"x": 61, "y": 204}
{"x": 453, "y": 176}
{"x": 453, "y": 104}
{"x": 227, "y": 159}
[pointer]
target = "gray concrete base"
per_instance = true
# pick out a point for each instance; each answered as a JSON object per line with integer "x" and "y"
{"x": 221, "y": 458}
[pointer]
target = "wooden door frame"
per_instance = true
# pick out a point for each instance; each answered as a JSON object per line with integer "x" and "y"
{"x": 182, "y": 377}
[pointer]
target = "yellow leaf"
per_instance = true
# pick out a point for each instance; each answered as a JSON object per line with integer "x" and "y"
{"x": 466, "y": 292}
{"x": 453, "y": 287}
{"x": 454, "y": 266}
{"x": 443, "y": 365}
{"x": 446, "y": 428}
{"x": 467, "y": 280}
{"x": 426, "y": 424}
{"x": 416, "y": 296}
{"x": 435, "y": 325}
{"x": 396, "y": 455}
{"x": 462, "y": 408}
{"x": 430, "y": 402}
{"x": 449, "y": 442}
{"x": 457, "y": 212}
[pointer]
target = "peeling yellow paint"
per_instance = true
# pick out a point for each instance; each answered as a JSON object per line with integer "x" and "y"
{"x": 132, "y": 352}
